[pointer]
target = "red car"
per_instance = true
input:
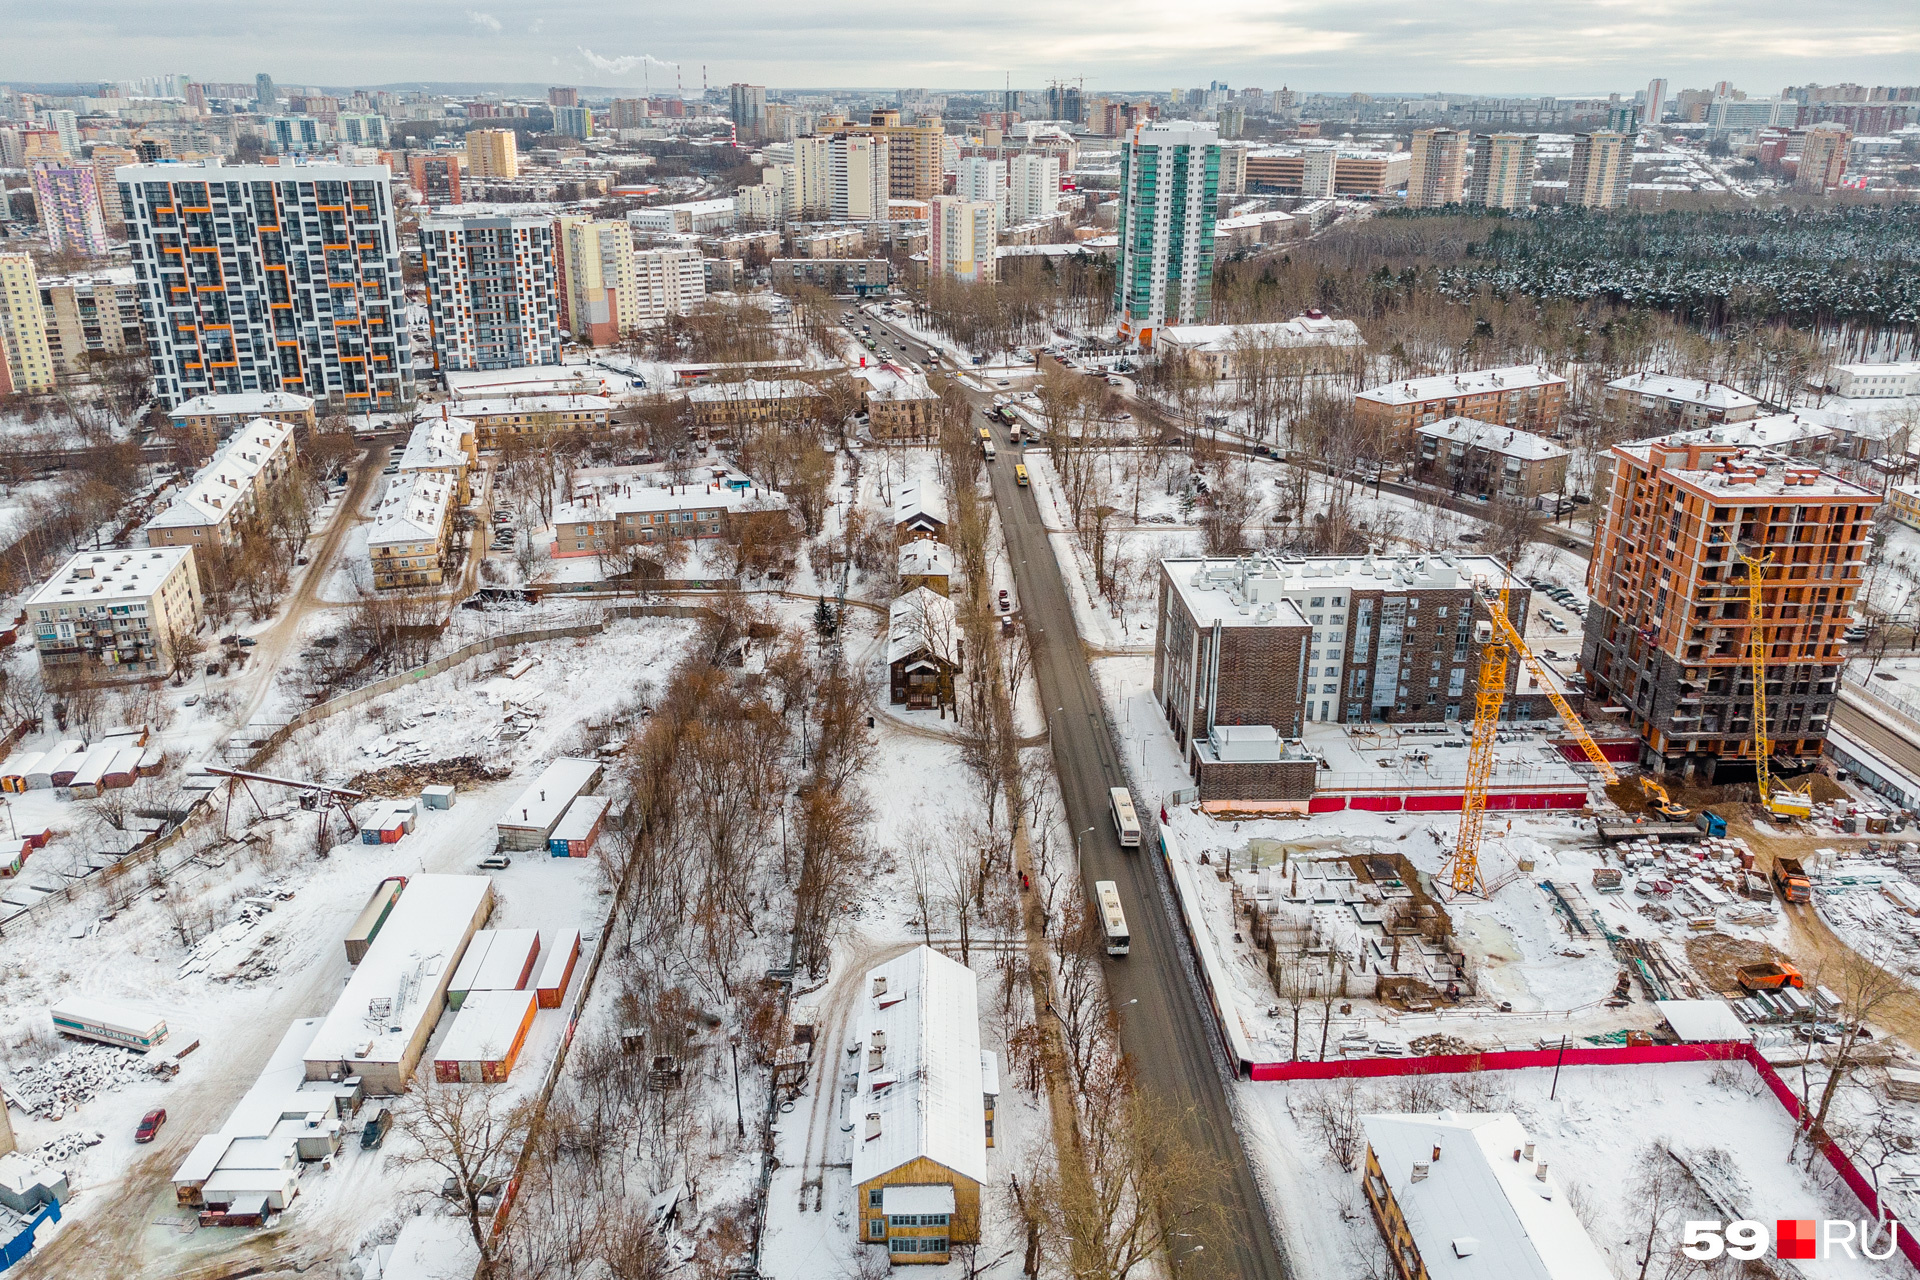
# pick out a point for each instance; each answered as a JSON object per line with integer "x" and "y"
{"x": 150, "y": 1125}
{"x": 1004, "y": 602}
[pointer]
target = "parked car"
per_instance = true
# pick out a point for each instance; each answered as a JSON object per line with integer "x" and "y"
{"x": 495, "y": 862}
{"x": 375, "y": 1131}
{"x": 150, "y": 1125}
{"x": 1006, "y": 601}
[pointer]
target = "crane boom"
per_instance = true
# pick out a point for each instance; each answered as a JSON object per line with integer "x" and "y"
{"x": 1785, "y": 801}
{"x": 1504, "y": 626}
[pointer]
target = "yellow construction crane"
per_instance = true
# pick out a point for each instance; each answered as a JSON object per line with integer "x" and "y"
{"x": 1499, "y": 638}
{"x": 1779, "y": 800}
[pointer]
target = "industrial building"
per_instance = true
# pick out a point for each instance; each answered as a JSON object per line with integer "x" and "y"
{"x": 1669, "y": 636}
{"x": 380, "y": 1025}
{"x": 529, "y": 821}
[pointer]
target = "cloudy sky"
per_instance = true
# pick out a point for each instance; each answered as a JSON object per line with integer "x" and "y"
{"x": 1566, "y": 47}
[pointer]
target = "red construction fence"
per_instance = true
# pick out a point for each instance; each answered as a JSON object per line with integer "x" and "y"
{"x": 1597, "y": 1056}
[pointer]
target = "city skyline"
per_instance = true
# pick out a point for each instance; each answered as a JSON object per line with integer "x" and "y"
{"x": 1317, "y": 46}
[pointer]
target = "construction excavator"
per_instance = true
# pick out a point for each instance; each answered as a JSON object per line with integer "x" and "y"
{"x": 1661, "y": 803}
{"x": 1499, "y": 641}
{"x": 1777, "y": 798}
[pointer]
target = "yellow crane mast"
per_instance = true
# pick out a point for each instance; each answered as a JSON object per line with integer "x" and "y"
{"x": 1499, "y": 639}
{"x": 1781, "y": 801}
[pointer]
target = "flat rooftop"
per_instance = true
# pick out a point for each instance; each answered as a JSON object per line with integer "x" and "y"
{"x": 105, "y": 577}
{"x": 1434, "y": 757}
{"x": 1231, "y": 591}
{"x": 1749, "y": 474}
{"x": 547, "y": 796}
{"x": 1445, "y": 386}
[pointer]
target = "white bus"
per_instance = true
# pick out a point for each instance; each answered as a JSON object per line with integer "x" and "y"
{"x": 1112, "y": 919}
{"x": 1126, "y": 823}
{"x": 109, "y": 1022}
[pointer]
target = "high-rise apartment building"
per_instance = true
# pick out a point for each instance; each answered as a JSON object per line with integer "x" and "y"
{"x": 436, "y": 178}
{"x": 1169, "y": 185}
{"x": 1503, "y": 170}
{"x": 767, "y": 203}
{"x": 668, "y": 282}
{"x": 962, "y": 239}
{"x": 105, "y": 159}
{"x": 89, "y": 316}
{"x": 981, "y": 179}
{"x": 1033, "y": 187}
{"x": 573, "y": 122}
{"x": 842, "y": 176}
{"x": 598, "y": 290}
{"x": 628, "y": 113}
{"x": 563, "y": 97}
{"x": 270, "y": 278}
{"x": 1656, "y": 104}
{"x": 67, "y": 126}
{"x": 69, "y": 205}
{"x": 1668, "y": 634}
{"x": 266, "y": 98}
{"x": 26, "y": 366}
{"x": 1438, "y": 172}
{"x": 492, "y": 153}
{"x": 360, "y": 128}
{"x": 493, "y": 295}
{"x": 1602, "y": 168}
{"x": 1823, "y": 159}
{"x": 916, "y": 162}
{"x": 747, "y": 107}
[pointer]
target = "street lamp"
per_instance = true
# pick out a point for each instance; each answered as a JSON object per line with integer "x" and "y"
{"x": 1078, "y": 841}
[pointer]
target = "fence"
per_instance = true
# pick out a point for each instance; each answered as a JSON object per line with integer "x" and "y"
{"x": 1887, "y": 701}
{"x": 1605, "y": 1056}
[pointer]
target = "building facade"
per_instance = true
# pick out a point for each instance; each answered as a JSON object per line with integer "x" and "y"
{"x": 1487, "y": 461}
{"x": 1169, "y": 187}
{"x": 68, "y": 200}
{"x": 599, "y": 290}
{"x": 1503, "y": 168}
{"x": 1437, "y": 174}
{"x": 436, "y": 178}
{"x": 1655, "y": 402}
{"x": 262, "y": 278}
{"x": 26, "y": 362}
{"x": 667, "y": 282}
{"x": 962, "y": 237}
{"x": 493, "y": 297}
{"x": 115, "y": 613}
{"x": 407, "y": 543}
{"x": 843, "y": 176}
{"x": 1033, "y": 187}
{"x": 90, "y": 317}
{"x": 1524, "y": 396}
{"x": 493, "y": 153}
{"x": 1823, "y": 159}
{"x": 1668, "y": 634}
{"x": 1602, "y": 168}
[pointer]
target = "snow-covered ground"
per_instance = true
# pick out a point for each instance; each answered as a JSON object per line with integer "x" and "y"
{"x": 1594, "y": 1131}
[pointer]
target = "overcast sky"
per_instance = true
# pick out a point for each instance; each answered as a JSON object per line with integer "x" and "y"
{"x": 1566, "y": 47}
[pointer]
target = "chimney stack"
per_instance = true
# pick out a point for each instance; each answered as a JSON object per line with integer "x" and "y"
{"x": 1540, "y": 1171}
{"x": 1420, "y": 1170}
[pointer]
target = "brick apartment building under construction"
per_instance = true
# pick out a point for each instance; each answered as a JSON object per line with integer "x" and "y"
{"x": 1667, "y": 635}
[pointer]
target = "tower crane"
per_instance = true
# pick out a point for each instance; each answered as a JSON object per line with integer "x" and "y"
{"x": 1500, "y": 640}
{"x": 1779, "y": 800}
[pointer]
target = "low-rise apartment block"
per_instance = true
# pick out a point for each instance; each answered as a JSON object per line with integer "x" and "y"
{"x": 1312, "y": 343}
{"x": 115, "y": 613}
{"x": 900, "y": 405}
{"x": 728, "y": 404}
{"x": 835, "y": 275}
{"x": 496, "y": 421}
{"x": 444, "y": 446}
{"x": 1876, "y": 381}
{"x": 212, "y": 511}
{"x": 632, "y": 514}
{"x": 407, "y": 542}
{"x": 200, "y": 424}
{"x": 1524, "y": 396}
{"x": 1484, "y": 460}
{"x": 1656, "y": 402}
{"x": 1668, "y": 634}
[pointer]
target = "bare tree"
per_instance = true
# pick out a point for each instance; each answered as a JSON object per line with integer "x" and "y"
{"x": 471, "y": 1133}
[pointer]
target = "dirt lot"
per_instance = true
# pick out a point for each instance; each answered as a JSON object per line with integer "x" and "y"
{"x": 1718, "y": 958}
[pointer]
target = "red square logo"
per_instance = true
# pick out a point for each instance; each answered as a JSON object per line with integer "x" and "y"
{"x": 1793, "y": 1238}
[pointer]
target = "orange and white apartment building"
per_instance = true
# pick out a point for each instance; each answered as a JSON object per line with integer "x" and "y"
{"x": 1668, "y": 631}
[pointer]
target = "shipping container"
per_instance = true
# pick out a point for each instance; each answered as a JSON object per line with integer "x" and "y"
{"x": 13, "y": 776}
{"x": 575, "y": 833}
{"x": 437, "y": 797}
{"x": 109, "y": 1022}
{"x": 557, "y": 972}
{"x": 367, "y": 926}
{"x": 487, "y": 1037}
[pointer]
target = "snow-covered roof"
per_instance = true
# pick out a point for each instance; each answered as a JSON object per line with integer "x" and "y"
{"x": 1698, "y": 1020}
{"x": 922, "y": 619}
{"x": 486, "y": 1026}
{"x": 887, "y": 381}
{"x": 1301, "y": 331}
{"x": 470, "y": 384}
{"x": 1891, "y": 369}
{"x": 108, "y": 577}
{"x": 1745, "y": 473}
{"x": 1505, "y": 441}
{"x": 1478, "y": 1213}
{"x": 614, "y": 503}
{"x": 924, "y": 1083}
{"x": 752, "y": 389}
{"x": 1776, "y": 431}
{"x": 1249, "y": 220}
{"x": 245, "y": 402}
{"x": 1446, "y": 386}
{"x": 1217, "y": 589}
{"x": 1708, "y": 395}
{"x": 923, "y": 557}
{"x": 412, "y": 510}
{"x": 548, "y": 795}
{"x": 918, "y": 500}
{"x": 437, "y": 444}
{"x": 423, "y": 937}
{"x": 581, "y": 817}
{"x": 228, "y": 478}
{"x": 489, "y": 408}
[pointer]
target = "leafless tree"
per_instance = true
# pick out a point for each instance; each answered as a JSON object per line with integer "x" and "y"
{"x": 472, "y": 1134}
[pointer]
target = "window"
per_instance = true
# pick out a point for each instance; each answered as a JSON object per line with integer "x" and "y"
{"x": 876, "y": 1197}
{"x": 876, "y": 1228}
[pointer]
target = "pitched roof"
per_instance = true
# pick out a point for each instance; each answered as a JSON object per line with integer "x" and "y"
{"x": 227, "y": 478}
{"x": 930, "y": 1099}
{"x": 1711, "y": 395}
{"x": 924, "y": 556}
{"x": 1505, "y": 441}
{"x": 1479, "y": 1213}
{"x": 1447, "y": 385}
{"x": 921, "y": 620}
{"x": 437, "y": 443}
{"x": 412, "y": 509}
